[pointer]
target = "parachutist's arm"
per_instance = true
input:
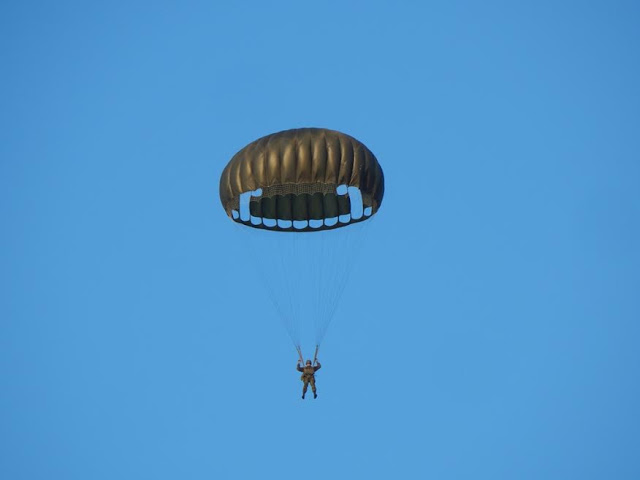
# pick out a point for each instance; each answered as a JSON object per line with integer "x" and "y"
{"x": 299, "y": 368}
{"x": 317, "y": 367}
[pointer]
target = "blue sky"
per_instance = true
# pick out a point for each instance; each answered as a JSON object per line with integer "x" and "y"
{"x": 489, "y": 330}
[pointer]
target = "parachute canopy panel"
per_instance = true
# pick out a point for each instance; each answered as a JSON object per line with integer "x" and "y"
{"x": 294, "y": 175}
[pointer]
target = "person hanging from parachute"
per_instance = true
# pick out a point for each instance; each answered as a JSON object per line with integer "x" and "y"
{"x": 308, "y": 373}
{"x": 308, "y": 377}
{"x": 296, "y": 187}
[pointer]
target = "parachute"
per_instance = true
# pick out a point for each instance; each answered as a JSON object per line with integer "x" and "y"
{"x": 301, "y": 199}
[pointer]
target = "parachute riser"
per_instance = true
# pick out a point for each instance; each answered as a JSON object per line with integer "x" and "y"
{"x": 300, "y": 354}
{"x": 315, "y": 355}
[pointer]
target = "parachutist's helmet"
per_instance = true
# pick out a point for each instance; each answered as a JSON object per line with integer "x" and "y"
{"x": 308, "y": 362}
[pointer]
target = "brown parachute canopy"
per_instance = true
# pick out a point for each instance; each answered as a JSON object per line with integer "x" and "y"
{"x": 298, "y": 173}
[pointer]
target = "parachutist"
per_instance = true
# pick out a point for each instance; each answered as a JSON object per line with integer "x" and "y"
{"x": 308, "y": 376}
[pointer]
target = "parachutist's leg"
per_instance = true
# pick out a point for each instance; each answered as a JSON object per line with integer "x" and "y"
{"x": 304, "y": 387}
{"x": 313, "y": 387}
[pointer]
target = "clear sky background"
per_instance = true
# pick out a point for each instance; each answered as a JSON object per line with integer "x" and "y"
{"x": 491, "y": 327}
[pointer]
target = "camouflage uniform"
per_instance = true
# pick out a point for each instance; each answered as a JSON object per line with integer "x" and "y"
{"x": 308, "y": 377}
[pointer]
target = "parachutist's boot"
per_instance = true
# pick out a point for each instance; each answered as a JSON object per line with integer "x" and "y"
{"x": 315, "y": 395}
